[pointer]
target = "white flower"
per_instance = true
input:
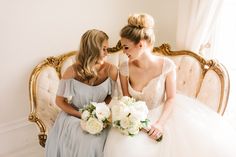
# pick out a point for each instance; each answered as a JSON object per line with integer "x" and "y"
{"x": 85, "y": 115}
{"x": 133, "y": 130}
{"x": 94, "y": 117}
{"x": 124, "y": 132}
{"x": 94, "y": 126}
{"x": 114, "y": 101}
{"x": 119, "y": 111}
{"x": 128, "y": 115}
{"x": 102, "y": 111}
{"x": 125, "y": 122}
{"x": 139, "y": 110}
{"x": 134, "y": 120}
{"x": 127, "y": 100}
{"x": 83, "y": 124}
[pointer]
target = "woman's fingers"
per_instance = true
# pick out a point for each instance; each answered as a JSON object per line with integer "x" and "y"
{"x": 154, "y": 133}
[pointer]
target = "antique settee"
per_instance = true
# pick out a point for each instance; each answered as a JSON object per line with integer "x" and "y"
{"x": 205, "y": 80}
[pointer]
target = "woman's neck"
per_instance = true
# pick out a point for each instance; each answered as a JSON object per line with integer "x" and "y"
{"x": 144, "y": 61}
{"x": 98, "y": 66}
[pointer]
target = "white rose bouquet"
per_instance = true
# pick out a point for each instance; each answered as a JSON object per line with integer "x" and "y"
{"x": 95, "y": 117}
{"x": 129, "y": 115}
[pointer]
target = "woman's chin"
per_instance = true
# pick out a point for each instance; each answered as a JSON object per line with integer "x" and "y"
{"x": 101, "y": 61}
{"x": 132, "y": 58}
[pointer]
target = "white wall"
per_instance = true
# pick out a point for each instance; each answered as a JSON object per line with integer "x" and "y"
{"x": 31, "y": 30}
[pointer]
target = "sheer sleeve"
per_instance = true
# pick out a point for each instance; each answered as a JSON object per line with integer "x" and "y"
{"x": 168, "y": 66}
{"x": 124, "y": 69}
{"x": 65, "y": 88}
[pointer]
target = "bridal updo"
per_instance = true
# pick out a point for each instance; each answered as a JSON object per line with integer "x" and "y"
{"x": 139, "y": 27}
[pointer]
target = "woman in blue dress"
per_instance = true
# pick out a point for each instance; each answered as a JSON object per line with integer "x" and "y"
{"x": 88, "y": 80}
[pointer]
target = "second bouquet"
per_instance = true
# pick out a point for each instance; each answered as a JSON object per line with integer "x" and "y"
{"x": 95, "y": 117}
{"x": 129, "y": 115}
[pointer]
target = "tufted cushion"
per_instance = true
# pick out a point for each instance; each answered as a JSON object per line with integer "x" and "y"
{"x": 211, "y": 88}
{"x": 204, "y": 80}
{"x": 46, "y": 84}
{"x": 189, "y": 73}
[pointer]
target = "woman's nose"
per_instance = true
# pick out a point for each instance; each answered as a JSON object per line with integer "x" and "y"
{"x": 106, "y": 53}
{"x": 124, "y": 50}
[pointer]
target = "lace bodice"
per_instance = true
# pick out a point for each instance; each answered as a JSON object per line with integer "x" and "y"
{"x": 154, "y": 92}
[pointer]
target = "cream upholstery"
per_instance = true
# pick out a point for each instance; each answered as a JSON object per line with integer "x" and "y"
{"x": 204, "y": 80}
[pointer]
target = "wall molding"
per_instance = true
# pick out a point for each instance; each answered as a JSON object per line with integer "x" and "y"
{"x": 17, "y": 136}
{"x": 13, "y": 125}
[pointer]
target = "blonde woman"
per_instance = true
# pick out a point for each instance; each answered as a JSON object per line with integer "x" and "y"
{"x": 88, "y": 80}
{"x": 180, "y": 126}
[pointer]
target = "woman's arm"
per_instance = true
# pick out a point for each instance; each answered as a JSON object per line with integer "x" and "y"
{"x": 61, "y": 101}
{"x": 112, "y": 72}
{"x": 66, "y": 107}
{"x": 124, "y": 85}
{"x": 108, "y": 99}
{"x": 157, "y": 128}
{"x": 170, "y": 95}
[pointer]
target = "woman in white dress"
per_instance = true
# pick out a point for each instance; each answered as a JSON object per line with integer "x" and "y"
{"x": 187, "y": 127}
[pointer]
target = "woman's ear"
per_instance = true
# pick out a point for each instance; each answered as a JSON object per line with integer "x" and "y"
{"x": 141, "y": 43}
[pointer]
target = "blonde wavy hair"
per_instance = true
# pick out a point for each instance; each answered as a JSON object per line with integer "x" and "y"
{"x": 89, "y": 53}
{"x": 139, "y": 27}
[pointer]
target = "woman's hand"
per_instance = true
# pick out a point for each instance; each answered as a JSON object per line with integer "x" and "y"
{"x": 156, "y": 131}
{"x": 66, "y": 107}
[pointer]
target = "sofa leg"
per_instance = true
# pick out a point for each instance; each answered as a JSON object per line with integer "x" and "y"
{"x": 42, "y": 139}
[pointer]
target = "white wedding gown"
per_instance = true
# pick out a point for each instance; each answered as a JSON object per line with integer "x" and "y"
{"x": 192, "y": 129}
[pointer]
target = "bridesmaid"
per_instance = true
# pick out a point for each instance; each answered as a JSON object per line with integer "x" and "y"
{"x": 88, "y": 80}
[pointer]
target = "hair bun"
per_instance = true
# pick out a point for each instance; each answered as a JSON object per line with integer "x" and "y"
{"x": 141, "y": 21}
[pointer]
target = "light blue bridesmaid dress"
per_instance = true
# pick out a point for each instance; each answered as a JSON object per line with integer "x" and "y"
{"x": 66, "y": 138}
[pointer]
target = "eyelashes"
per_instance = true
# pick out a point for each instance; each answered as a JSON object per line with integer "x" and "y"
{"x": 125, "y": 47}
{"x": 104, "y": 49}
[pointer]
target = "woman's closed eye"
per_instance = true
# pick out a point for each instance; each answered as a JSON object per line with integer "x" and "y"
{"x": 125, "y": 47}
{"x": 104, "y": 49}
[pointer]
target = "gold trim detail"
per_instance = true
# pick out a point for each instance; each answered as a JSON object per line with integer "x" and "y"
{"x": 56, "y": 63}
{"x": 206, "y": 65}
{"x": 115, "y": 49}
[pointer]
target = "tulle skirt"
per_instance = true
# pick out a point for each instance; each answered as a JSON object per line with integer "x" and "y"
{"x": 192, "y": 130}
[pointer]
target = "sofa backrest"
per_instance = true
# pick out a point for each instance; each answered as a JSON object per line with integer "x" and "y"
{"x": 205, "y": 80}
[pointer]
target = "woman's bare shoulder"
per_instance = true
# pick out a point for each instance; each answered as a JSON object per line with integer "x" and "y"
{"x": 70, "y": 72}
{"x": 112, "y": 70}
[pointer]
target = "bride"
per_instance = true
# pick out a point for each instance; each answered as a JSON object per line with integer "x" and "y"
{"x": 187, "y": 128}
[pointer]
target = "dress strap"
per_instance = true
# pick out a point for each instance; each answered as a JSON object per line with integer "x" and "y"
{"x": 108, "y": 70}
{"x": 168, "y": 65}
{"x": 124, "y": 68}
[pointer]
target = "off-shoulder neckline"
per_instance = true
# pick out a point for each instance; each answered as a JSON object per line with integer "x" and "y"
{"x": 105, "y": 80}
